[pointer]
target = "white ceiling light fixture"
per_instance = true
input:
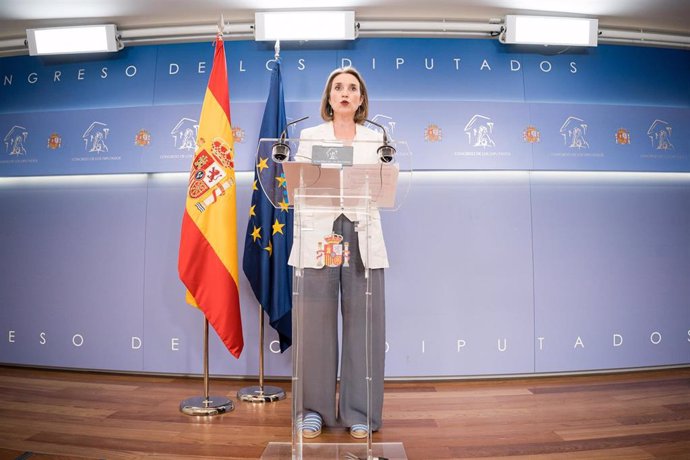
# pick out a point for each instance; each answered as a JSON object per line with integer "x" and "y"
{"x": 304, "y": 25}
{"x": 550, "y": 30}
{"x": 73, "y": 40}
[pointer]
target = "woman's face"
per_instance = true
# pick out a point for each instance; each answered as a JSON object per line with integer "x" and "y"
{"x": 345, "y": 97}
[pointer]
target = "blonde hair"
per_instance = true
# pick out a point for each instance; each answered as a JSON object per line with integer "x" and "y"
{"x": 362, "y": 111}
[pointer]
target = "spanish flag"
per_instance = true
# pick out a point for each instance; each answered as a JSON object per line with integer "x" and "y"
{"x": 208, "y": 261}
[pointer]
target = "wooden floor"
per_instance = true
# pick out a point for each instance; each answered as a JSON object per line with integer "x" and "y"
{"x": 48, "y": 414}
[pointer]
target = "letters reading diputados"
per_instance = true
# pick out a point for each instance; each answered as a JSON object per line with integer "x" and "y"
{"x": 398, "y": 63}
{"x": 301, "y": 64}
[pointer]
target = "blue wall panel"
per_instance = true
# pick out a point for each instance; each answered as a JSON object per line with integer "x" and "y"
{"x": 611, "y": 257}
{"x": 459, "y": 290}
{"x": 72, "y": 268}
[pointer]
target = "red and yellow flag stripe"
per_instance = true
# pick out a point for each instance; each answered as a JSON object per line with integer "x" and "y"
{"x": 208, "y": 258}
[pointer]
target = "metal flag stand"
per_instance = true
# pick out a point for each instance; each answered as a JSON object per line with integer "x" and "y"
{"x": 261, "y": 393}
{"x": 206, "y": 405}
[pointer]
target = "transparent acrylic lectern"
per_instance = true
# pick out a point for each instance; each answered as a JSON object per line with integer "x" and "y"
{"x": 322, "y": 180}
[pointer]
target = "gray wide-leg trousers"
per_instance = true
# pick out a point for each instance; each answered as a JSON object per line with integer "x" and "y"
{"x": 322, "y": 290}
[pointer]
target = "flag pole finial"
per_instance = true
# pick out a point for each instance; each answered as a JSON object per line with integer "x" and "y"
{"x": 221, "y": 25}
{"x": 277, "y": 50}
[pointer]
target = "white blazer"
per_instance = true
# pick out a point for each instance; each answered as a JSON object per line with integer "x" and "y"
{"x": 316, "y": 226}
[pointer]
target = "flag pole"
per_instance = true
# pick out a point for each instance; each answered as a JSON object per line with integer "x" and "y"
{"x": 206, "y": 405}
{"x": 261, "y": 393}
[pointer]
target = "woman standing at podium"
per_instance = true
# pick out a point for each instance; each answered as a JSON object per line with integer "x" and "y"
{"x": 331, "y": 281}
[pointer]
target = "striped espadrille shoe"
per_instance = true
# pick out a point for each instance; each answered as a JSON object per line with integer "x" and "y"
{"x": 311, "y": 425}
{"x": 359, "y": 431}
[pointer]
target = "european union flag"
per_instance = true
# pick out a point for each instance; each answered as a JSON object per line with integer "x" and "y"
{"x": 269, "y": 231}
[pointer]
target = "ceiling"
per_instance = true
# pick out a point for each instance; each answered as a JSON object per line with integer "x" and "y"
{"x": 663, "y": 16}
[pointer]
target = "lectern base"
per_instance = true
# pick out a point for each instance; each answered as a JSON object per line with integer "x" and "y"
{"x": 323, "y": 451}
{"x": 214, "y": 405}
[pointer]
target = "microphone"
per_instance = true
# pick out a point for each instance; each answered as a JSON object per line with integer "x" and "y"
{"x": 385, "y": 152}
{"x": 280, "y": 150}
